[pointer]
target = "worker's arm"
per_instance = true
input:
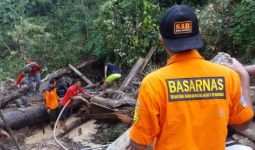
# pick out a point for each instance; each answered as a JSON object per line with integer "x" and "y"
{"x": 244, "y": 78}
{"x": 105, "y": 70}
{"x": 20, "y": 77}
{"x": 250, "y": 69}
{"x": 241, "y": 112}
{"x": 146, "y": 118}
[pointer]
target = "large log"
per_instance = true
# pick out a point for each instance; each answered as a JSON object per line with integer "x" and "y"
{"x": 85, "y": 79}
{"x": 31, "y": 115}
{"x": 66, "y": 71}
{"x": 5, "y": 100}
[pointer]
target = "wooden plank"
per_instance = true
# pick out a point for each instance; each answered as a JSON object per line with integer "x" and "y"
{"x": 85, "y": 79}
{"x": 147, "y": 58}
{"x": 111, "y": 116}
{"x": 97, "y": 108}
{"x": 134, "y": 71}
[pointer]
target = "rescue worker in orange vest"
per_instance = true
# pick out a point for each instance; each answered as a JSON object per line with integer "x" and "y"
{"x": 188, "y": 104}
{"x": 31, "y": 71}
{"x": 51, "y": 102}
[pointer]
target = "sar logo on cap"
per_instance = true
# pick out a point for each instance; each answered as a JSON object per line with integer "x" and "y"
{"x": 182, "y": 27}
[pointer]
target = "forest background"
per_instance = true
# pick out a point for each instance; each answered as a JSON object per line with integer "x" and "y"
{"x": 56, "y": 33}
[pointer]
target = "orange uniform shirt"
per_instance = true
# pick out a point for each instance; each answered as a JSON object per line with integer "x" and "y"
{"x": 51, "y": 98}
{"x": 188, "y": 104}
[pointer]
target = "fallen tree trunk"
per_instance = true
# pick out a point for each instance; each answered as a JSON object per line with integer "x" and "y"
{"x": 66, "y": 71}
{"x": 18, "y": 119}
{"x": 4, "y": 101}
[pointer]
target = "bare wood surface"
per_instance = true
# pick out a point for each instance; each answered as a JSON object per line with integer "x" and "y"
{"x": 249, "y": 133}
{"x": 111, "y": 116}
{"x": 85, "y": 79}
{"x": 112, "y": 103}
{"x": 147, "y": 58}
{"x": 134, "y": 71}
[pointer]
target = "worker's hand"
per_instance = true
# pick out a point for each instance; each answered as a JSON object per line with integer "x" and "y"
{"x": 237, "y": 66}
{"x": 48, "y": 111}
{"x": 134, "y": 146}
{"x": 4, "y": 134}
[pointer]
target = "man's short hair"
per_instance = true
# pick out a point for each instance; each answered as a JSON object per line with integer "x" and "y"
{"x": 52, "y": 81}
{"x": 76, "y": 80}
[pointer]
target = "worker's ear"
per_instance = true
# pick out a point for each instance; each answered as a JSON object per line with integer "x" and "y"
{"x": 162, "y": 41}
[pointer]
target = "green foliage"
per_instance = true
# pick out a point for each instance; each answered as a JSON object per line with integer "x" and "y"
{"x": 53, "y": 33}
{"x": 126, "y": 29}
{"x": 215, "y": 27}
{"x": 114, "y": 132}
{"x": 243, "y": 29}
{"x": 58, "y": 32}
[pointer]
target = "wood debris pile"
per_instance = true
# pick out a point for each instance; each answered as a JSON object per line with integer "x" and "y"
{"x": 23, "y": 111}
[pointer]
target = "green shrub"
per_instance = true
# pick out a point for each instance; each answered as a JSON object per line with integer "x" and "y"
{"x": 242, "y": 31}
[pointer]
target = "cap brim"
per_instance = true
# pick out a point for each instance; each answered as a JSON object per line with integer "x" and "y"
{"x": 182, "y": 44}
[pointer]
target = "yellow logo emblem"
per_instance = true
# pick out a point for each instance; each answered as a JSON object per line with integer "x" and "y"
{"x": 182, "y": 27}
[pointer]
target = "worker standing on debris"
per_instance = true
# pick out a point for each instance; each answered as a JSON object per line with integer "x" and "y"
{"x": 51, "y": 102}
{"x": 111, "y": 73}
{"x": 31, "y": 71}
{"x": 3, "y": 134}
{"x": 72, "y": 91}
{"x": 187, "y": 104}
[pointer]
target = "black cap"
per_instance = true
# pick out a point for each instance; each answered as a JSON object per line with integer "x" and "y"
{"x": 179, "y": 28}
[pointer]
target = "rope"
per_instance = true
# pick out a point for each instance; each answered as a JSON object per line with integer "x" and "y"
{"x": 55, "y": 126}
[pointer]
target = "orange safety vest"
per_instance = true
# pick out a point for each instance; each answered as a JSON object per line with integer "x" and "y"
{"x": 188, "y": 104}
{"x": 51, "y": 99}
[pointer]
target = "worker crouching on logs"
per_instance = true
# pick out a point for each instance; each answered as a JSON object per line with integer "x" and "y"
{"x": 51, "y": 102}
{"x": 68, "y": 100}
{"x": 111, "y": 73}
